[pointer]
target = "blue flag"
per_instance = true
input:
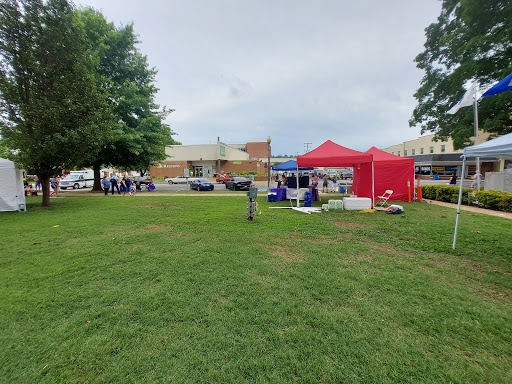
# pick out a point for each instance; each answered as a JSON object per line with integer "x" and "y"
{"x": 502, "y": 86}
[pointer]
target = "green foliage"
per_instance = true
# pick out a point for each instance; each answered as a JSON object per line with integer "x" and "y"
{"x": 446, "y": 193}
{"x": 471, "y": 40}
{"x": 253, "y": 173}
{"x": 138, "y": 134}
{"x": 499, "y": 200}
{"x": 51, "y": 110}
{"x": 5, "y": 153}
{"x": 187, "y": 290}
{"x": 243, "y": 173}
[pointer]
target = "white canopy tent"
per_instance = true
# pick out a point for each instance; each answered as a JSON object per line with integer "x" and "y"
{"x": 12, "y": 193}
{"x": 499, "y": 147}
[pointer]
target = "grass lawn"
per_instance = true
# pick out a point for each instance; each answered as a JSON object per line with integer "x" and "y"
{"x": 181, "y": 289}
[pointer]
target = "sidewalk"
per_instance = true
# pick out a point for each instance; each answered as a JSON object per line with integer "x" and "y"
{"x": 505, "y": 215}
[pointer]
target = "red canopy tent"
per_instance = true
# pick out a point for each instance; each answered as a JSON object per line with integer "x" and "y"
{"x": 330, "y": 154}
{"x": 392, "y": 172}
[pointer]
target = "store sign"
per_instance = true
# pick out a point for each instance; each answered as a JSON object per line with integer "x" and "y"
{"x": 237, "y": 162}
{"x": 222, "y": 150}
{"x": 438, "y": 169}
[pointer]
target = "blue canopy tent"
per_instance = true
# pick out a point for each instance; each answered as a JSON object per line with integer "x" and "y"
{"x": 290, "y": 165}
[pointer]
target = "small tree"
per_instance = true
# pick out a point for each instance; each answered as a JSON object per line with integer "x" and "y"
{"x": 50, "y": 109}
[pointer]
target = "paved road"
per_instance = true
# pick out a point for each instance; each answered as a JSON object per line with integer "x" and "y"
{"x": 163, "y": 186}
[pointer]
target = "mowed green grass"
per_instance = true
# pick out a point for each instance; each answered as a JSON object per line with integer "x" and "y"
{"x": 187, "y": 290}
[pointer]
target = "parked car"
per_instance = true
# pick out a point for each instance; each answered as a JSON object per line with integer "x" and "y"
{"x": 222, "y": 179}
{"x": 346, "y": 174}
{"x": 238, "y": 183}
{"x": 201, "y": 185}
{"x": 179, "y": 179}
{"x": 142, "y": 182}
{"x": 77, "y": 179}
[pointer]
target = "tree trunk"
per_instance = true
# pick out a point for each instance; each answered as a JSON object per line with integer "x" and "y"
{"x": 97, "y": 180}
{"x": 45, "y": 188}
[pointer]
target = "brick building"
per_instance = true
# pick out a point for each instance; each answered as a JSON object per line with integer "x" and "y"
{"x": 210, "y": 159}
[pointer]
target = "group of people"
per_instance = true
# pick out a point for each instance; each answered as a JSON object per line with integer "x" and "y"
{"x": 282, "y": 180}
{"x": 124, "y": 185}
{"x": 477, "y": 179}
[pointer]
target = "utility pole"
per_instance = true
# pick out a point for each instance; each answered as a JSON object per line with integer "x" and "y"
{"x": 307, "y": 147}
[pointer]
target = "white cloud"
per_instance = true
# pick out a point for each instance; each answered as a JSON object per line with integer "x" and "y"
{"x": 299, "y": 71}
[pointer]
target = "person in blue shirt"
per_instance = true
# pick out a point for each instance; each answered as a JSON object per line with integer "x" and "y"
{"x": 105, "y": 185}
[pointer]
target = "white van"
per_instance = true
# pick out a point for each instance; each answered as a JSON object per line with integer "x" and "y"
{"x": 78, "y": 179}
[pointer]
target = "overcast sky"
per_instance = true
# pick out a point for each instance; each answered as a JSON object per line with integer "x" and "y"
{"x": 299, "y": 71}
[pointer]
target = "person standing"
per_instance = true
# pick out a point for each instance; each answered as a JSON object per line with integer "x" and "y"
{"x": 477, "y": 178}
{"x": 128, "y": 183}
{"x": 105, "y": 185}
{"x": 54, "y": 184}
{"x": 124, "y": 188}
{"x": 114, "y": 181}
{"x": 325, "y": 185}
{"x": 453, "y": 179}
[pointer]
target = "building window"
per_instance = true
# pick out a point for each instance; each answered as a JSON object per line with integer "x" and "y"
{"x": 413, "y": 152}
{"x": 398, "y": 153}
{"x": 443, "y": 148}
{"x": 421, "y": 151}
{"x": 392, "y": 153}
{"x": 432, "y": 149}
{"x": 405, "y": 152}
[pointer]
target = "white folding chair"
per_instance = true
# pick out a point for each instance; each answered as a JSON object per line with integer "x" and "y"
{"x": 383, "y": 200}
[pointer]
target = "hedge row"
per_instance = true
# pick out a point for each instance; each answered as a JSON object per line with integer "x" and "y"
{"x": 497, "y": 200}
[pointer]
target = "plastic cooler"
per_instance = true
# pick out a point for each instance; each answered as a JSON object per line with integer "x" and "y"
{"x": 357, "y": 203}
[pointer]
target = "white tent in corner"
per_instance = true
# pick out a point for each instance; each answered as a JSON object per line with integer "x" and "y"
{"x": 12, "y": 193}
{"x": 499, "y": 147}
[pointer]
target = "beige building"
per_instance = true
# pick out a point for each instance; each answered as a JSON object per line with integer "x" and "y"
{"x": 210, "y": 159}
{"x": 439, "y": 157}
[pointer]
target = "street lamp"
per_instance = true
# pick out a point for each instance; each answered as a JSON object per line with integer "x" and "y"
{"x": 268, "y": 164}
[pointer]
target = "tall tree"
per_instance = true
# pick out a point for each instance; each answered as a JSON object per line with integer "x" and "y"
{"x": 471, "y": 41}
{"x": 138, "y": 134}
{"x": 50, "y": 108}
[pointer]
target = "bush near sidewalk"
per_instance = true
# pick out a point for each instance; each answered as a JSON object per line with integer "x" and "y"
{"x": 497, "y": 200}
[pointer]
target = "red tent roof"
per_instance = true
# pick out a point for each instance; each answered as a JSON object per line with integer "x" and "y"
{"x": 330, "y": 154}
{"x": 387, "y": 158}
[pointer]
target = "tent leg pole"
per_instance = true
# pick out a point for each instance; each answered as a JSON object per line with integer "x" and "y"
{"x": 297, "y": 178}
{"x": 459, "y": 202}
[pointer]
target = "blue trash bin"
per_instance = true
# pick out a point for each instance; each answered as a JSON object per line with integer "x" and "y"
{"x": 436, "y": 176}
{"x": 341, "y": 189}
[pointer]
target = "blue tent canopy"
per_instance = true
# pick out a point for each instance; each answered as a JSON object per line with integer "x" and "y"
{"x": 290, "y": 165}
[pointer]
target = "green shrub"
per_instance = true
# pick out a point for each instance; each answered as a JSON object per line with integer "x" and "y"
{"x": 498, "y": 200}
{"x": 253, "y": 173}
{"x": 243, "y": 173}
{"x": 446, "y": 193}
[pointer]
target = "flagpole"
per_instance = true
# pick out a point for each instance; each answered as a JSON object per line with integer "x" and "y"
{"x": 475, "y": 109}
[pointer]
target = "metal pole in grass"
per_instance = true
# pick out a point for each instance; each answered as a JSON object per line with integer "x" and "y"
{"x": 460, "y": 200}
